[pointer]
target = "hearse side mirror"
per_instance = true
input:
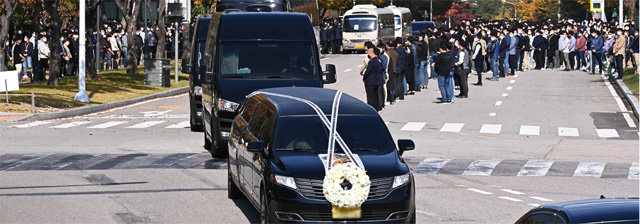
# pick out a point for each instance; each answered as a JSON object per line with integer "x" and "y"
{"x": 255, "y": 146}
{"x": 405, "y": 145}
{"x": 206, "y": 75}
{"x": 330, "y": 74}
{"x": 186, "y": 66}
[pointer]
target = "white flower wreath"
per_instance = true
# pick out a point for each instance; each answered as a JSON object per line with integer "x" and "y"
{"x": 338, "y": 194}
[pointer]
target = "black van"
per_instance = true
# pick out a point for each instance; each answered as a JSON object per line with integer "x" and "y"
{"x": 247, "y": 51}
{"x": 191, "y": 66}
{"x": 274, "y": 158}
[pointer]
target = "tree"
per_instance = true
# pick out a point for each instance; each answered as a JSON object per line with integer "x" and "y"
{"x": 537, "y": 10}
{"x": 162, "y": 30}
{"x": 458, "y": 12}
{"x": 486, "y": 9}
{"x": 131, "y": 12}
{"x": 54, "y": 44}
{"x": 336, "y": 5}
{"x": 7, "y": 7}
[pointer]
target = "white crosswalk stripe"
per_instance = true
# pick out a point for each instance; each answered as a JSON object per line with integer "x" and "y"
{"x": 413, "y": 126}
{"x": 491, "y": 128}
{"x": 634, "y": 171}
{"x": 509, "y": 198}
{"x": 540, "y": 198}
{"x": 452, "y": 127}
{"x": 569, "y": 132}
{"x": 184, "y": 124}
{"x": 146, "y": 124}
{"x": 511, "y": 191}
{"x": 607, "y": 133}
{"x": 529, "y": 130}
{"x": 535, "y": 168}
{"x": 589, "y": 169}
{"x": 431, "y": 165}
{"x": 71, "y": 124}
{"x": 32, "y": 124}
{"x": 481, "y": 167}
{"x": 108, "y": 124}
{"x": 498, "y": 103}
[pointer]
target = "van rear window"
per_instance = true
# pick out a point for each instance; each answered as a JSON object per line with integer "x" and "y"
{"x": 266, "y": 31}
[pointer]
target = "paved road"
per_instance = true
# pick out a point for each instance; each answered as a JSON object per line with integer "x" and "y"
{"x": 537, "y": 138}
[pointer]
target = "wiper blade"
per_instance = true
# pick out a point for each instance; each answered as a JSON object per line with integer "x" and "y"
{"x": 279, "y": 77}
{"x": 235, "y": 76}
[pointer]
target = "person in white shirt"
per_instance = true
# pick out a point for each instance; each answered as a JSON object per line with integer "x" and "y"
{"x": 43, "y": 58}
{"x": 115, "y": 49}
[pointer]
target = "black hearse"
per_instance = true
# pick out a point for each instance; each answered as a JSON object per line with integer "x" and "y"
{"x": 192, "y": 67}
{"x": 247, "y": 51}
{"x": 274, "y": 160}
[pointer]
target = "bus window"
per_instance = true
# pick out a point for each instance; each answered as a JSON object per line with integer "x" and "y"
{"x": 360, "y": 23}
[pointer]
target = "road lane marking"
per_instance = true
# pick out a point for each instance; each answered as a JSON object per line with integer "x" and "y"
{"x": 498, "y": 103}
{"x": 347, "y": 70}
{"x": 481, "y": 167}
{"x": 607, "y": 133}
{"x": 71, "y": 124}
{"x": 513, "y": 140}
{"x": 492, "y": 114}
{"x": 511, "y": 191}
{"x": 184, "y": 124}
{"x": 425, "y": 213}
{"x": 505, "y": 94}
{"x": 589, "y": 169}
{"x": 634, "y": 171}
{"x": 512, "y": 81}
{"x": 451, "y": 127}
{"x": 630, "y": 122}
{"x": 618, "y": 101}
{"x": 155, "y": 113}
{"x": 413, "y": 126}
{"x": 509, "y": 87}
{"x": 534, "y": 205}
{"x": 515, "y": 76}
{"x": 479, "y": 191}
{"x": 571, "y": 132}
{"x": 540, "y": 198}
{"x": 529, "y": 130}
{"x": 360, "y": 66}
{"x": 510, "y": 198}
{"x": 535, "y": 168}
{"x": 491, "y": 128}
{"x": 485, "y": 137}
{"x": 615, "y": 149}
{"x": 146, "y": 124}
{"x": 431, "y": 165}
{"x": 32, "y": 124}
{"x": 108, "y": 124}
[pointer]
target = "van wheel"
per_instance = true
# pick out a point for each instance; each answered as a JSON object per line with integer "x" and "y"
{"x": 265, "y": 217}
{"x": 192, "y": 116}
{"x": 233, "y": 192}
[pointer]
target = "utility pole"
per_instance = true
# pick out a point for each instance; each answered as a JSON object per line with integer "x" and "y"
{"x": 82, "y": 94}
{"x": 98, "y": 59}
{"x": 559, "y": 2}
{"x": 620, "y": 13}
{"x": 431, "y": 9}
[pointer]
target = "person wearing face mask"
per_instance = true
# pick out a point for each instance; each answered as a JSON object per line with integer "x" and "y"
{"x": 26, "y": 51}
{"x": 596, "y": 49}
{"x": 581, "y": 47}
{"x": 371, "y": 78}
{"x": 565, "y": 48}
{"x": 619, "y": 52}
{"x": 463, "y": 67}
{"x": 17, "y": 58}
{"x": 608, "y": 49}
{"x": 503, "y": 51}
{"x": 43, "y": 58}
{"x": 540, "y": 46}
{"x": 634, "y": 51}
{"x": 628, "y": 56}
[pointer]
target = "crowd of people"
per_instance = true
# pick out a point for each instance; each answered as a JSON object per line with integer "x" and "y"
{"x": 331, "y": 36}
{"x": 403, "y": 66}
{"x": 112, "y": 39}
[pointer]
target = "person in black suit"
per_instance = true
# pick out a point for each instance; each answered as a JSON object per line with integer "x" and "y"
{"x": 504, "y": 47}
{"x": 371, "y": 78}
{"x": 401, "y": 68}
{"x": 540, "y": 46}
{"x": 324, "y": 39}
{"x": 332, "y": 38}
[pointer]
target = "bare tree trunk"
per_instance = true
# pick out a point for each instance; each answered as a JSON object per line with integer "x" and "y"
{"x": 161, "y": 32}
{"x": 54, "y": 45}
{"x": 186, "y": 41}
{"x": 92, "y": 73}
{"x": 131, "y": 12}
{"x": 7, "y": 12}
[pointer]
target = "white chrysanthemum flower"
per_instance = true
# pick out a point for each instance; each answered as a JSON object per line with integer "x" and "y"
{"x": 336, "y": 195}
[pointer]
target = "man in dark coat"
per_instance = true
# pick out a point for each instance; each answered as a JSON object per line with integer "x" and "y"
{"x": 445, "y": 79}
{"x": 332, "y": 38}
{"x": 539, "y": 46}
{"x": 504, "y": 48}
{"x": 324, "y": 39}
{"x": 401, "y": 68}
{"x": 371, "y": 78}
{"x": 338, "y": 41}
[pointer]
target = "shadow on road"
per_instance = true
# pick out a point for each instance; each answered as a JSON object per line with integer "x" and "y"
{"x": 248, "y": 210}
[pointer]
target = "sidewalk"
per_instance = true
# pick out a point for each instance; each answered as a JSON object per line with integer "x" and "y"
{"x": 7, "y": 116}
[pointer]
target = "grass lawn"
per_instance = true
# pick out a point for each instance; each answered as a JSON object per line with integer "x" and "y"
{"x": 113, "y": 85}
{"x": 630, "y": 78}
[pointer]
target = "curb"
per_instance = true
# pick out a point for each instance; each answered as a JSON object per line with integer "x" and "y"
{"x": 101, "y": 107}
{"x": 629, "y": 96}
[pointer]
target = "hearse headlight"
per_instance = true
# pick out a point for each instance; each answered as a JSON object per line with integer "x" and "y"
{"x": 197, "y": 90}
{"x": 226, "y": 105}
{"x": 284, "y": 181}
{"x": 400, "y": 180}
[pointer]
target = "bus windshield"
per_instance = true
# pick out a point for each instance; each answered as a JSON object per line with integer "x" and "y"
{"x": 268, "y": 59}
{"x": 360, "y": 23}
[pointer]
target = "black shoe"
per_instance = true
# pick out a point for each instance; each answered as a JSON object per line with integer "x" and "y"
{"x": 458, "y": 96}
{"x": 439, "y": 98}
{"x": 477, "y": 84}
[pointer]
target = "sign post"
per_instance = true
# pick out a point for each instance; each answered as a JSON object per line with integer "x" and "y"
{"x": 82, "y": 94}
{"x": 9, "y": 82}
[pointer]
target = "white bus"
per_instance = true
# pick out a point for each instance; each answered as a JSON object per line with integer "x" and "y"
{"x": 365, "y": 23}
{"x": 401, "y": 17}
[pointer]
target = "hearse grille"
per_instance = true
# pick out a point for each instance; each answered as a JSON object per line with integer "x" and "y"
{"x": 366, "y": 216}
{"x": 312, "y": 188}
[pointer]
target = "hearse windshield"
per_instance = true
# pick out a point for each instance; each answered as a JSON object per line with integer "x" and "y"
{"x": 360, "y": 23}
{"x": 268, "y": 59}
{"x": 308, "y": 134}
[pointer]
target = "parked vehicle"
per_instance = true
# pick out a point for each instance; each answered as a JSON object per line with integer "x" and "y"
{"x": 365, "y": 23}
{"x": 418, "y": 26}
{"x": 192, "y": 67}
{"x": 247, "y": 51}
{"x": 402, "y": 18}
{"x": 587, "y": 211}
{"x": 305, "y": 6}
{"x": 274, "y": 157}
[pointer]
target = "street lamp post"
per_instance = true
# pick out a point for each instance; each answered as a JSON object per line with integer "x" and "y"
{"x": 82, "y": 94}
{"x": 620, "y": 13}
